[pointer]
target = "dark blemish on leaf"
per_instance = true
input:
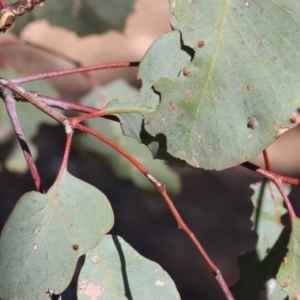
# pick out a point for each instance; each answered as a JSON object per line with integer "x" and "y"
{"x": 186, "y": 72}
{"x": 75, "y": 247}
{"x": 252, "y": 123}
{"x": 201, "y": 44}
{"x": 294, "y": 117}
{"x": 248, "y": 88}
{"x": 170, "y": 107}
{"x": 242, "y": 42}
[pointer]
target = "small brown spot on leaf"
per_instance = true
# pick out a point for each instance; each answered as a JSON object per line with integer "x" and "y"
{"x": 170, "y": 107}
{"x": 201, "y": 44}
{"x": 245, "y": 88}
{"x": 75, "y": 247}
{"x": 252, "y": 123}
{"x": 294, "y": 117}
{"x": 186, "y": 72}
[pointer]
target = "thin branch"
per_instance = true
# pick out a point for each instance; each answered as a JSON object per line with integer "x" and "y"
{"x": 33, "y": 99}
{"x": 161, "y": 189}
{"x": 11, "y": 12}
{"x": 69, "y": 132}
{"x": 67, "y": 105}
{"x": 267, "y": 160}
{"x": 113, "y": 65}
{"x": 71, "y": 106}
{"x": 277, "y": 180}
{"x": 264, "y": 172}
{"x": 11, "y": 109}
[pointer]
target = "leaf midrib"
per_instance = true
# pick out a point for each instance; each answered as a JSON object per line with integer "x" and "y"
{"x": 211, "y": 67}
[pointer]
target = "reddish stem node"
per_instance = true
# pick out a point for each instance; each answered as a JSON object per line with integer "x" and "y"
{"x": 277, "y": 180}
{"x": 33, "y": 99}
{"x": 261, "y": 171}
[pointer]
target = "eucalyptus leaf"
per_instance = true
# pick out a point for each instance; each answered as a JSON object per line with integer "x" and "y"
{"x": 260, "y": 266}
{"x": 46, "y": 234}
{"x": 115, "y": 271}
{"x": 237, "y": 92}
{"x": 119, "y": 164}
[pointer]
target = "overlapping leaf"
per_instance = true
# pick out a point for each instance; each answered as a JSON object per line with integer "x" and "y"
{"x": 115, "y": 271}
{"x": 45, "y": 235}
{"x": 120, "y": 165}
{"x": 30, "y": 118}
{"x": 259, "y": 267}
{"x": 164, "y": 59}
{"x": 83, "y": 17}
{"x": 239, "y": 91}
{"x": 289, "y": 272}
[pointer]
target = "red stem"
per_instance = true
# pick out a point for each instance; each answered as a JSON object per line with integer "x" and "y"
{"x": 67, "y": 105}
{"x": 75, "y": 71}
{"x": 263, "y": 172}
{"x": 11, "y": 109}
{"x": 3, "y": 4}
{"x": 267, "y": 160}
{"x": 66, "y": 152}
{"x": 161, "y": 189}
{"x": 33, "y": 99}
{"x": 71, "y": 106}
{"x": 277, "y": 180}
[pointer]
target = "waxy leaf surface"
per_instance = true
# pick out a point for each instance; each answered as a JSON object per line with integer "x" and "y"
{"x": 259, "y": 267}
{"x": 120, "y": 165}
{"x": 115, "y": 271}
{"x": 239, "y": 89}
{"x": 289, "y": 272}
{"x": 46, "y": 234}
